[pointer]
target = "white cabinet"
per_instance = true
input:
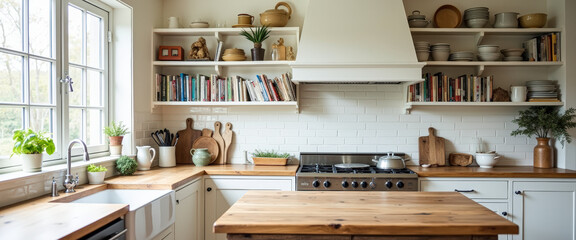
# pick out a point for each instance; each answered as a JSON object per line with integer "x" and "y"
{"x": 544, "y": 209}
{"x": 189, "y": 224}
{"x": 167, "y": 234}
{"x": 220, "y": 192}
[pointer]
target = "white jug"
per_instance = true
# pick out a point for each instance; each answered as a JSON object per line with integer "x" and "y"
{"x": 145, "y": 156}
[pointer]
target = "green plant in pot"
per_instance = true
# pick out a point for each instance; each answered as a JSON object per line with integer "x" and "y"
{"x": 126, "y": 165}
{"x": 257, "y": 35}
{"x": 30, "y": 145}
{"x": 545, "y": 122}
{"x": 96, "y": 174}
{"x": 115, "y": 132}
{"x": 269, "y": 157}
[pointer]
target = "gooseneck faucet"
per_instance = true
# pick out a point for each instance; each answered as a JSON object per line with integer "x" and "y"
{"x": 69, "y": 181}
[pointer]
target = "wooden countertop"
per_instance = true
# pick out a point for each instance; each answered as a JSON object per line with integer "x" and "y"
{"x": 361, "y": 213}
{"x": 495, "y": 172}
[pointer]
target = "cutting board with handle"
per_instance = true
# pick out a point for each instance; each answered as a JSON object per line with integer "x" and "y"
{"x": 186, "y": 138}
{"x": 431, "y": 149}
{"x": 220, "y": 140}
{"x": 227, "y": 135}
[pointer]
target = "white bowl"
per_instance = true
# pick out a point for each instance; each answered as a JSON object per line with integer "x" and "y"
{"x": 512, "y": 52}
{"x": 488, "y": 48}
{"x": 418, "y": 23}
{"x": 476, "y": 23}
{"x": 422, "y": 55}
{"x": 488, "y": 56}
{"x": 486, "y": 160}
{"x": 440, "y": 55}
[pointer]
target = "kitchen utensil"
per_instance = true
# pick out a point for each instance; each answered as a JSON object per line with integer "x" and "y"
{"x": 431, "y": 149}
{"x": 160, "y": 139}
{"x": 208, "y": 143}
{"x": 390, "y": 162}
{"x": 207, "y": 132}
{"x": 185, "y": 141}
{"x": 447, "y": 16}
{"x": 144, "y": 156}
{"x": 153, "y": 135}
{"x": 200, "y": 156}
{"x": 276, "y": 17}
{"x": 218, "y": 137}
{"x": 228, "y": 134}
{"x": 460, "y": 159}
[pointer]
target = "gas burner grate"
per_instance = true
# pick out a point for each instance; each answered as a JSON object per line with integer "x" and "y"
{"x": 318, "y": 168}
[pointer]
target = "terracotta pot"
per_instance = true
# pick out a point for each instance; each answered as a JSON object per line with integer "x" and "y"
{"x": 258, "y": 54}
{"x": 543, "y": 154}
{"x": 115, "y": 141}
{"x": 276, "y": 17}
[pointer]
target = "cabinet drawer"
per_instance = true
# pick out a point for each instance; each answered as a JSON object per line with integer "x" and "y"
{"x": 470, "y": 188}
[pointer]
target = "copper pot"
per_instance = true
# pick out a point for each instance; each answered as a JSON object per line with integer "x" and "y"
{"x": 276, "y": 17}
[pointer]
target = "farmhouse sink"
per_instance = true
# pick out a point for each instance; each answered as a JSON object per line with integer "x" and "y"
{"x": 151, "y": 211}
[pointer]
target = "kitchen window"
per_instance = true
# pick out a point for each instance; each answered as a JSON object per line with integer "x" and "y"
{"x": 53, "y": 74}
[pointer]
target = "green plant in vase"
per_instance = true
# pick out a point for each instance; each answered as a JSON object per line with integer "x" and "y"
{"x": 96, "y": 174}
{"x": 30, "y": 145}
{"x": 257, "y": 35}
{"x": 115, "y": 132}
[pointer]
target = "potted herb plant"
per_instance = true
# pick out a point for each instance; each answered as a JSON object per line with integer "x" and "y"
{"x": 115, "y": 133}
{"x": 96, "y": 174}
{"x": 257, "y": 35}
{"x": 30, "y": 145}
{"x": 126, "y": 165}
{"x": 269, "y": 157}
{"x": 545, "y": 122}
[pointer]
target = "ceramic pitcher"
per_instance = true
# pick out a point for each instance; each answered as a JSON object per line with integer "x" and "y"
{"x": 200, "y": 156}
{"x": 145, "y": 155}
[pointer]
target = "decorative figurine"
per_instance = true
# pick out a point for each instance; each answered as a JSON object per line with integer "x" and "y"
{"x": 290, "y": 56}
{"x": 199, "y": 50}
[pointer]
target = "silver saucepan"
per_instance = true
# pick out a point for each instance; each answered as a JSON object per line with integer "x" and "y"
{"x": 390, "y": 162}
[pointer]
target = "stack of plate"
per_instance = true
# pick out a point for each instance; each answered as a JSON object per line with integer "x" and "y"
{"x": 234, "y": 54}
{"x": 422, "y": 50}
{"x": 542, "y": 90}
{"x": 476, "y": 17}
{"x": 488, "y": 53}
{"x": 440, "y": 51}
{"x": 461, "y": 56}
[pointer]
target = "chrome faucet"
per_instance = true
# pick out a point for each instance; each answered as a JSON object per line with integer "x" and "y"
{"x": 69, "y": 181}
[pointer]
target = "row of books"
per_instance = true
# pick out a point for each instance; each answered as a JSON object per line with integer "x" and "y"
{"x": 202, "y": 88}
{"x": 543, "y": 48}
{"x": 441, "y": 88}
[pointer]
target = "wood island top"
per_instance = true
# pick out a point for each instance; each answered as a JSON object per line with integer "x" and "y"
{"x": 360, "y": 213}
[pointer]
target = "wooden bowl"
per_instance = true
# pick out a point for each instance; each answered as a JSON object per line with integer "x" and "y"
{"x": 233, "y": 57}
{"x": 447, "y": 16}
{"x": 534, "y": 20}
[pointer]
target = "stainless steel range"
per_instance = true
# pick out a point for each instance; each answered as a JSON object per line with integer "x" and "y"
{"x": 351, "y": 172}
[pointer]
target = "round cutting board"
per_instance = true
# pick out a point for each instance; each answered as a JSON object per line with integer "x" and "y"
{"x": 210, "y": 144}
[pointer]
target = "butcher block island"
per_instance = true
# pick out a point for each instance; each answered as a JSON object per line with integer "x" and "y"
{"x": 360, "y": 215}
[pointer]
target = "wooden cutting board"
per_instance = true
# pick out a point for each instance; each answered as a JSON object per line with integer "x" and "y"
{"x": 431, "y": 149}
{"x": 220, "y": 140}
{"x": 186, "y": 138}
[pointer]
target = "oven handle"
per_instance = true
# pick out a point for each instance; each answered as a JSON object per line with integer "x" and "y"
{"x": 471, "y": 190}
{"x": 120, "y": 234}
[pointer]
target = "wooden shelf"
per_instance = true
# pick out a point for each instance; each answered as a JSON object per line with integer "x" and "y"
{"x": 227, "y": 104}
{"x": 223, "y": 63}
{"x": 486, "y": 31}
{"x": 410, "y": 105}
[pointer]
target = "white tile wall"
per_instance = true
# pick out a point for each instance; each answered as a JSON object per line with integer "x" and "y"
{"x": 355, "y": 118}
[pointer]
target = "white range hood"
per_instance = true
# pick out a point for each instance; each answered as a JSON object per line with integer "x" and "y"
{"x": 356, "y": 41}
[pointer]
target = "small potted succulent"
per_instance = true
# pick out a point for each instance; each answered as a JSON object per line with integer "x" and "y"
{"x": 96, "y": 174}
{"x": 257, "y": 36}
{"x": 126, "y": 165}
{"x": 270, "y": 157}
{"x": 115, "y": 133}
{"x": 30, "y": 145}
{"x": 545, "y": 122}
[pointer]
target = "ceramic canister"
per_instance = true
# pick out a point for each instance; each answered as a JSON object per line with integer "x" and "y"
{"x": 200, "y": 156}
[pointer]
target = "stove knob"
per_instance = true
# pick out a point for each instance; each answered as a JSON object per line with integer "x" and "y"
{"x": 326, "y": 184}
{"x": 400, "y": 184}
{"x": 372, "y": 185}
{"x": 316, "y": 183}
{"x": 354, "y": 184}
{"x": 389, "y": 184}
{"x": 363, "y": 184}
{"x": 345, "y": 184}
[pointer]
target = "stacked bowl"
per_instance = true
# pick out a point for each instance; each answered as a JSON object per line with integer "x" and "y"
{"x": 476, "y": 17}
{"x": 234, "y": 54}
{"x": 461, "y": 56}
{"x": 422, "y": 50}
{"x": 416, "y": 20}
{"x": 542, "y": 89}
{"x": 513, "y": 54}
{"x": 440, "y": 51}
{"x": 488, "y": 53}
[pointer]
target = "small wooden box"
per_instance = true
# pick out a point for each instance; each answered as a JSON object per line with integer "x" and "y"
{"x": 170, "y": 53}
{"x": 270, "y": 161}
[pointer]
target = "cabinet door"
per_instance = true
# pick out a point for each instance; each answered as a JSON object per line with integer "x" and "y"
{"x": 221, "y": 193}
{"x": 189, "y": 223}
{"x": 500, "y": 208}
{"x": 544, "y": 210}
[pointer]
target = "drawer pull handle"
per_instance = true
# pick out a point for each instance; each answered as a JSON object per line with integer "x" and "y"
{"x": 504, "y": 214}
{"x": 518, "y": 192}
{"x": 209, "y": 189}
{"x": 471, "y": 190}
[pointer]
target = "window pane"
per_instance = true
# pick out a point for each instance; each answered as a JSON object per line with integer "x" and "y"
{"x": 11, "y": 120}
{"x": 94, "y": 40}
{"x": 94, "y": 89}
{"x": 11, "y": 19}
{"x": 93, "y": 127}
{"x": 40, "y": 42}
{"x": 75, "y": 97}
{"x": 40, "y": 81}
{"x": 42, "y": 119}
{"x": 11, "y": 78}
{"x": 75, "y": 123}
{"x": 75, "y": 35}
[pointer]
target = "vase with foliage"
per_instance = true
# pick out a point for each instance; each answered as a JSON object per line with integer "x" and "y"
{"x": 30, "y": 145}
{"x": 115, "y": 132}
{"x": 96, "y": 174}
{"x": 269, "y": 157}
{"x": 545, "y": 122}
{"x": 257, "y": 35}
{"x": 126, "y": 165}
